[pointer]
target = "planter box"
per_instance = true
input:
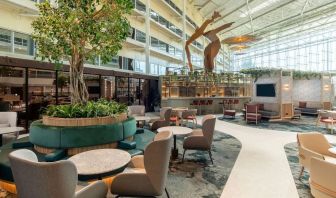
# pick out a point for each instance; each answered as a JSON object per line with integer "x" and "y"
{"x": 54, "y": 121}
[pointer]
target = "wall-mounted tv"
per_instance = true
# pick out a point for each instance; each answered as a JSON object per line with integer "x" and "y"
{"x": 265, "y": 90}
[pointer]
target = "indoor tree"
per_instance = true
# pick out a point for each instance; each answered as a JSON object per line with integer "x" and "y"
{"x": 80, "y": 30}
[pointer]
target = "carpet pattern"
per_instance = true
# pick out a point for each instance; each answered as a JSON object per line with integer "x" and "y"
{"x": 302, "y": 184}
{"x": 304, "y": 124}
{"x": 197, "y": 177}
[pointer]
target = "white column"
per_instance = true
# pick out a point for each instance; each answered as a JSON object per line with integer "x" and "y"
{"x": 184, "y": 33}
{"x": 147, "y": 24}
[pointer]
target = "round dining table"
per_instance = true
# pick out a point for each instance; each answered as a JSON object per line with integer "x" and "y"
{"x": 99, "y": 163}
{"x": 177, "y": 131}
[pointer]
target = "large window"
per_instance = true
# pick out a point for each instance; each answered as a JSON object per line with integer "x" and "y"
{"x": 16, "y": 42}
{"x": 308, "y": 47}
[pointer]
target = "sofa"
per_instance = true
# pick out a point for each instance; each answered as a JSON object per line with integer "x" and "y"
{"x": 142, "y": 140}
{"x": 268, "y": 110}
{"x": 310, "y": 108}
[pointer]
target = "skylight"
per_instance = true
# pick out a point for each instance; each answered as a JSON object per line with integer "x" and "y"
{"x": 259, "y": 7}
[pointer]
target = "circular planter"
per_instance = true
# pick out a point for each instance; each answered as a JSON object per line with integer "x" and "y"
{"x": 54, "y": 121}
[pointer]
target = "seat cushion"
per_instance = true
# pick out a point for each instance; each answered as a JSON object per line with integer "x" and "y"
{"x": 126, "y": 144}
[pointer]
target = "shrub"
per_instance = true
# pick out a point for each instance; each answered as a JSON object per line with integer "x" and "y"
{"x": 90, "y": 109}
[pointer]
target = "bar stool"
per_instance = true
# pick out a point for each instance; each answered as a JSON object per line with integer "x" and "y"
{"x": 195, "y": 104}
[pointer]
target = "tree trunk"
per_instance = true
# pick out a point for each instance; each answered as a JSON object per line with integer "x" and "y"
{"x": 78, "y": 91}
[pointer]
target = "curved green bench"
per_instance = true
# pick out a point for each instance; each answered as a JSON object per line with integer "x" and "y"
{"x": 82, "y": 136}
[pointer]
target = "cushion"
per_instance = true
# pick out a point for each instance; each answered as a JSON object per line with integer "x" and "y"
{"x": 4, "y": 125}
{"x": 126, "y": 144}
{"x": 17, "y": 145}
{"x": 134, "y": 152}
{"x": 55, "y": 155}
{"x": 302, "y": 104}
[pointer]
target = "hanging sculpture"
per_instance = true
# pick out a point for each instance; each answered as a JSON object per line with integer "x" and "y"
{"x": 212, "y": 48}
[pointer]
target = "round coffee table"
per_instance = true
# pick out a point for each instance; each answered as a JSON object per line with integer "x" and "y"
{"x": 177, "y": 131}
{"x": 99, "y": 163}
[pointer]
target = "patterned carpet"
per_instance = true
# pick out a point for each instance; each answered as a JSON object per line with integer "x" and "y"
{"x": 302, "y": 184}
{"x": 304, "y": 124}
{"x": 197, "y": 177}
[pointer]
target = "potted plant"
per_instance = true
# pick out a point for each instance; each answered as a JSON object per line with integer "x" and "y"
{"x": 78, "y": 31}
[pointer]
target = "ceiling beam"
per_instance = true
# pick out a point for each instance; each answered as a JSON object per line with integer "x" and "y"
{"x": 232, "y": 11}
{"x": 261, "y": 15}
{"x": 298, "y": 15}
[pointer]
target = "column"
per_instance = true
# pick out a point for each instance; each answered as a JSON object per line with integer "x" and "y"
{"x": 184, "y": 33}
{"x": 147, "y": 24}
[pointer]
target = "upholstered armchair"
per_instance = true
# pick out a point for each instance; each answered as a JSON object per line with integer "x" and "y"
{"x": 8, "y": 119}
{"x": 164, "y": 119}
{"x": 146, "y": 174}
{"x": 322, "y": 178}
{"x": 189, "y": 115}
{"x": 49, "y": 179}
{"x": 201, "y": 139}
{"x": 313, "y": 145}
{"x": 252, "y": 114}
{"x": 136, "y": 110}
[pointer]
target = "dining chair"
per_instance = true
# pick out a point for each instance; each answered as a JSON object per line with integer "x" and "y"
{"x": 311, "y": 145}
{"x": 322, "y": 178}
{"x": 201, "y": 139}
{"x": 163, "y": 121}
{"x": 49, "y": 179}
{"x": 189, "y": 115}
{"x": 147, "y": 174}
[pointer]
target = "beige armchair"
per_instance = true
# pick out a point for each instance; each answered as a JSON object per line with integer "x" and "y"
{"x": 313, "y": 145}
{"x": 49, "y": 179}
{"x": 136, "y": 110}
{"x": 322, "y": 178}
{"x": 146, "y": 174}
{"x": 8, "y": 119}
{"x": 201, "y": 139}
{"x": 164, "y": 119}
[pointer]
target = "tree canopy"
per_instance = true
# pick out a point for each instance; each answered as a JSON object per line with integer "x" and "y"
{"x": 75, "y": 29}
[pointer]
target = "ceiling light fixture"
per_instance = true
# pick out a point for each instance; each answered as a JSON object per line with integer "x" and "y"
{"x": 259, "y": 7}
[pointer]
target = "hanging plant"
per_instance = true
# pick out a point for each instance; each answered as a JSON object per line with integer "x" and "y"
{"x": 258, "y": 72}
{"x": 300, "y": 75}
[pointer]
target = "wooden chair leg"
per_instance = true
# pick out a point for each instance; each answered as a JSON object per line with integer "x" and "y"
{"x": 210, "y": 154}
{"x": 183, "y": 155}
{"x": 301, "y": 172}
{"x": 167, "y": 193}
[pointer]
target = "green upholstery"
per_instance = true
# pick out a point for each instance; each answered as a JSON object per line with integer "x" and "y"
{"x": 129, "y": 127}
{"x": 90, "y": 135}
{"x": 71, "y": 137}
{"x": 55, "y": 155}
{"x": 142, "y": 140}
{"x": 126, "y": 144}
{"x": 25, "y": 144}
{"x": 134, "y": 152}
{"x": 46, "y": 136}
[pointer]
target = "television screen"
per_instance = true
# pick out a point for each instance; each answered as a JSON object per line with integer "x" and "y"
{"x": 265, "y": 90}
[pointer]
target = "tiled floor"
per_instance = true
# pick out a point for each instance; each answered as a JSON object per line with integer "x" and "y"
{"x": 262, "y": 169}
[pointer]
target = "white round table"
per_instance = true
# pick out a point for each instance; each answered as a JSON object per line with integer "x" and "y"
{"x": 332, "y": 150}
{"x": 142, "y": 118}
{"x": 6, "y": 130}
{"x": 100, "y": 163}
{"x": 177, "y": 131}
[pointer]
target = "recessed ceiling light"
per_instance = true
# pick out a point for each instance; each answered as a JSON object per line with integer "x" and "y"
{"x": 258, "y": 7}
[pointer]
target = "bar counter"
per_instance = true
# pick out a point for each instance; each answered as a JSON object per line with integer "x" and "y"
{"x": 215, "y": 107}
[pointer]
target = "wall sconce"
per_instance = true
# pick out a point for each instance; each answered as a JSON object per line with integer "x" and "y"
{"x": 286, "y": 86}
{"x": 326, "y": 87}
